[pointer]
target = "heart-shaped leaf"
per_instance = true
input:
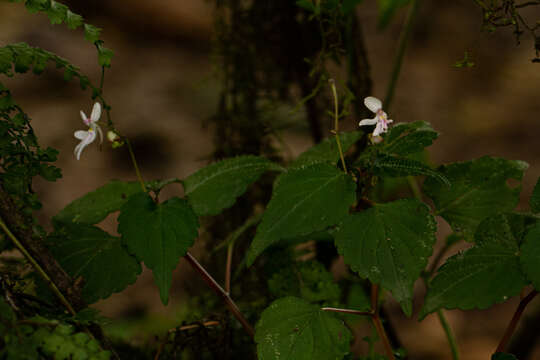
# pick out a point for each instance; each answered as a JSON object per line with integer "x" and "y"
{"x": 158, "y": 234}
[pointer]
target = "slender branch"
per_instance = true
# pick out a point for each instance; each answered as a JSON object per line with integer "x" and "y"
{"x": 38, "y": 268}
{"x": 404, "y": 37}
{"x": 382, "y": 334}
{"x": 134, "y": 161}
{"x": 515, "y": 319}
{"x": 228, "y": 267}
{"x": 347, "y": 311}
{"x": 221, "y": 292}
{"x": 375, "y": 318}
{"x": 449, "y": 335}
{"x": 336, "y": 123}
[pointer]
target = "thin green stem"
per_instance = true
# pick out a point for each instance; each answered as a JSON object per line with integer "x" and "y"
{"x": 414, "y": 187}
{"x": 134, "y": 161}
{"x": 449, "y": 335}
{"x": 336, "y": 123}
{"x": 38, "y": 268}
{"x": 398, "y": 62}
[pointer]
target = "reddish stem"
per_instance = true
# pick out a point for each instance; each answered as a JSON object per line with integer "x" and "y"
{"x": 347, "y": 311}
{"x": 377, "y": 321}
{"x": 515, "y": 319}
{"x": 222, "y": 293}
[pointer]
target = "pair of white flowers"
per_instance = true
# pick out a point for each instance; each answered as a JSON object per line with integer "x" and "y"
{"x": 88, "y": 136}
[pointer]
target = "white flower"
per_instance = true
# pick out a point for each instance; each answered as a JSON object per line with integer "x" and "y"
{"x": 381, "y": 118}
{"x": 87, "y": 137}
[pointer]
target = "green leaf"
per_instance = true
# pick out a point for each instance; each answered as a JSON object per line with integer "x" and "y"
{"x": 104, "y": 56}
{"x": 101, "y": 260}
{"x": 308, "y": 280}
{"x": 56, "y": 12}
{"x": 49, "y": 172}
{"x": 478, "y": 190}
{"x": 534, "y": 201}
{"x": 96, "y": 205}
{"x": 306, "y": 4}
{"x": 24, "y": 57}
{"x": 73, "y": 20}
{"x": 486, "y": 274}
{"x": 216, "y": 186}
{"x": 394, "y": 166}
{"x": 387, "y": 9}
{"x": 6, "y": 102}
{"x": 36, "y": 5}
{"x": 6, "y": 60}
{"x": 390, "y": 245}
{"x": 409, "y": 138}
{"x": 91, "y": 33}
{"x": 158, "y": 234}
{"x": 291, "y": 328}
{"x": 327, "y": 150}
{"x": 349, "y": 5}
{"x": 503, "y": 356}
{"x": 304, "y": 200}
{"x": 530, "y": 256}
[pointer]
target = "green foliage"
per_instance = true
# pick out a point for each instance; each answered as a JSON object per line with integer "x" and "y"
{"x": 158, "y": 234}
{"x": 291, "y": 328}
{"x": 96, "y": 205}
{"x": 21, "y": 57}
{"x": 387, "y": 10}
{"x": 48, "y": 339}
{"x": 390, "y": 245}
{"x": 349, "y": 5}
{"x": 216, "y": 186}
{"x": 479, "y": 189}
{"x": 21, "y": 157}
{"x": 304, "y": 200}
{"x": 326, "y": 150}
{"x": 408, "y": 138}
{"x": 393, "y": 166}
{"x": 534, "y": 201}
{"x": 486, "y": 274}
{"x": 503, "y": 356}
{"x": 307, "y": 280}
{"x": 99, "y": 258}
{"x": 530, "y": 256}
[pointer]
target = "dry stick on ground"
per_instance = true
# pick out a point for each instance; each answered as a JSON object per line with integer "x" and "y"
{"x": 222, "y": 293}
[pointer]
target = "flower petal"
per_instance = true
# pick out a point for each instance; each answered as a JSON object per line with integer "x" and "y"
{"x": 84, "y": 117}
{"x": 368, "y": 122}
{"x": 373, "y": 104}
{"x": 90, "y": 137}
{"x": 379, "y": 129}
{"x": 100, "y": 133}
{"x": 80, "y": 134}
{"x": 96, "y": 112}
